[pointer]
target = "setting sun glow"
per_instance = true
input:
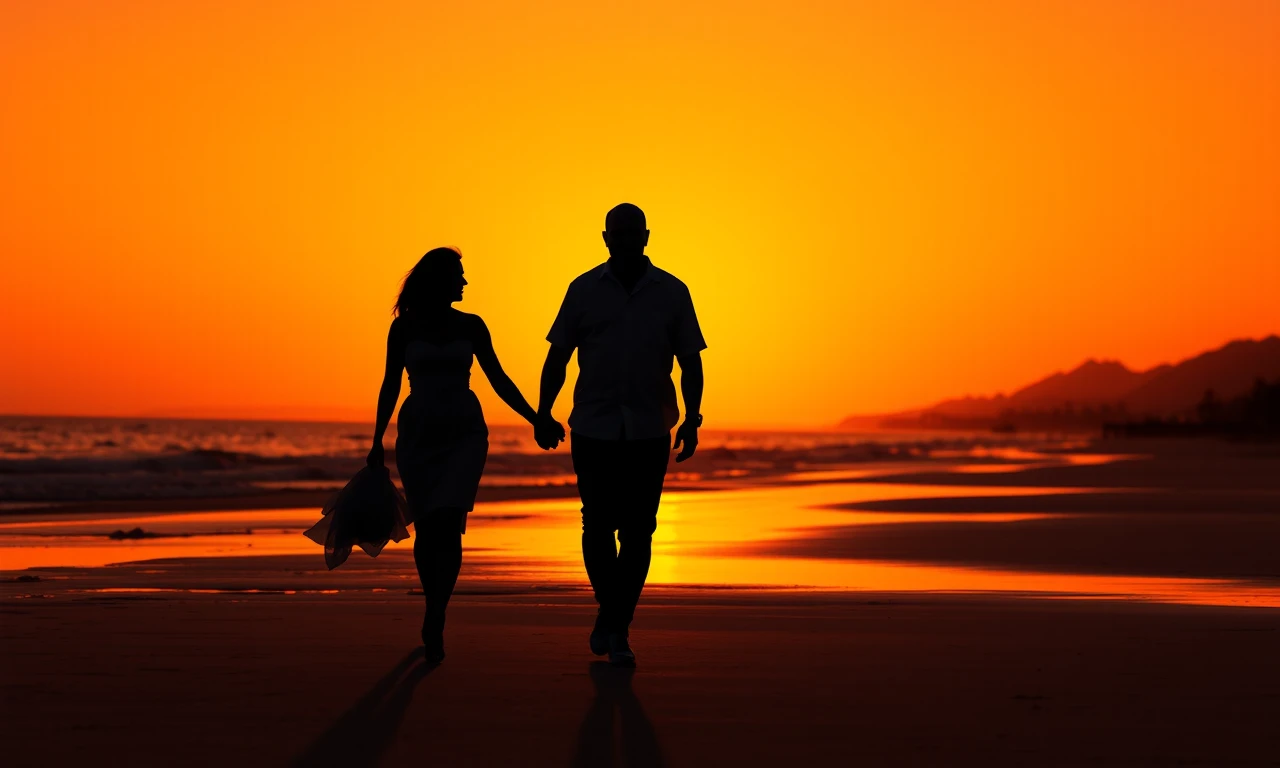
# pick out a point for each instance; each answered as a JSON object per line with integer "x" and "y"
{"x": 207, "y": 206}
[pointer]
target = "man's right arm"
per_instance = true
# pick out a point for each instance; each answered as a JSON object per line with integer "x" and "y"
{"x": 553, "y": 373}
{"x": 564, "y": 338}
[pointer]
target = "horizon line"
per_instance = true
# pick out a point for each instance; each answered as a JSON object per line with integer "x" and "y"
{"x": 828, "y": 427}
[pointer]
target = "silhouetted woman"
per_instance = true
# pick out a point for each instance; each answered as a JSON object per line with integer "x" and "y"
{"x": 442, "y": 441}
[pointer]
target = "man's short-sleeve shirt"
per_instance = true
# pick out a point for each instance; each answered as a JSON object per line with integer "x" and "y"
{"x": 626, "y": 346}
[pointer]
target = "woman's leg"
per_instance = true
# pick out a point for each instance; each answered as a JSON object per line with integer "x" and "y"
{"x": 437, "y": 551}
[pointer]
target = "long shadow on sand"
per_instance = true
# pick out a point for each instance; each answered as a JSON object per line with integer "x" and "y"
{"x": 599, "y": 744}
{"x": 363, "y": 733}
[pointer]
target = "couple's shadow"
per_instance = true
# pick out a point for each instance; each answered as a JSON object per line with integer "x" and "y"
{"x": 614, "y": 729}
{"x": 363, "y": 733}
{"x": 634, "y": 741}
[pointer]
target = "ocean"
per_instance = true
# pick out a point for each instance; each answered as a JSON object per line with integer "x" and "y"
{"x": 49, "y": 461}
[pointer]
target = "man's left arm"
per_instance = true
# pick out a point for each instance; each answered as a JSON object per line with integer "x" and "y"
{"x": 687, "y": 343}
{"x": 691, "y": 390}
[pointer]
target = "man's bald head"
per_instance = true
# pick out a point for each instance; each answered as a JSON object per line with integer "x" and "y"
{"x": 625, "y": 218}
{"x": 625, "y": 233}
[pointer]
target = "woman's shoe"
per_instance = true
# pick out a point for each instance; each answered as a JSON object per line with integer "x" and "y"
{"x": 433, "y": 638}
{"x": 433, "y": 647}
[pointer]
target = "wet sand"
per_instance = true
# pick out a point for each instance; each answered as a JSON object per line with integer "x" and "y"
{"x": 1025, "y": 614}
{"x": 1235, "y": 536}
{"x": 1177, "y": 509}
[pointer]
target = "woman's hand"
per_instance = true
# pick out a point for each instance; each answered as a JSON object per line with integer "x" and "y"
{"x": 376, "y": 455}
{"x": 547, "y": 432}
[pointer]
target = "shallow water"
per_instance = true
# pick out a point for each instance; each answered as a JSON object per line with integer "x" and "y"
{"x": 698, "y": 541}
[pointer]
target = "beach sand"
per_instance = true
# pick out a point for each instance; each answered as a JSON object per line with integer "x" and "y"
{"x": 1050, "y": 634}
{"x": 744, "y": 679}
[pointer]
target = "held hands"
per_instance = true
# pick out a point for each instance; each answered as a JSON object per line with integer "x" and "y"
{"x": 376, "y": 455}
{"x": 688, "y": 435}
{"x": 547, "y": 432}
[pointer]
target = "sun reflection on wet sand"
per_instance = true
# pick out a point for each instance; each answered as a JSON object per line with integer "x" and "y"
{"x": 536, "y": 542}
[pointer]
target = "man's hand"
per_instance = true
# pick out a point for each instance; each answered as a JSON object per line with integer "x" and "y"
{"x": 547, "y": 432}
{"x": 376, "y": 455}
{"x": 688, "y": 435}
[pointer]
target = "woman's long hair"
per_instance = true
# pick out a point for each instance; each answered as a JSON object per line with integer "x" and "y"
{"x": 426, "y": 280}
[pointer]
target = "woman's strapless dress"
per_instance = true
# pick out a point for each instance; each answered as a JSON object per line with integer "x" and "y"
{"x": 442, "y": 440}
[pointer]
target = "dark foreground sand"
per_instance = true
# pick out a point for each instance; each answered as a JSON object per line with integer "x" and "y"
{"x": 726, "y": 678}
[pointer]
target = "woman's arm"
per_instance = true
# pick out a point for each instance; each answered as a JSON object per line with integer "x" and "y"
{"x": 502, "y": 383}
{"x": 389, "y": 394}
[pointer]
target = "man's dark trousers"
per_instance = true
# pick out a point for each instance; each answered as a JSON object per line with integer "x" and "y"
{"x": 620, "y": 482}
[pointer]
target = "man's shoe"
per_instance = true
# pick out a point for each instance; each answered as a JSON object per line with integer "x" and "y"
{"x": 599, "y": 639}
{"x": 620, "y": 653}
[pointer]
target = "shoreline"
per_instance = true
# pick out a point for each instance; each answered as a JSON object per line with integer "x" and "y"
{"x": 1085, "y": 521}
{"x": 261, "y": 501}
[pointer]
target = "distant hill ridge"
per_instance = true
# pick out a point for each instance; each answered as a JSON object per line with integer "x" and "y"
{"x": 1162, "y": 391}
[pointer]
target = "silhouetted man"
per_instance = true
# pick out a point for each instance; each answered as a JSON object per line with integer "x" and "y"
{"x": 628, "y": 320}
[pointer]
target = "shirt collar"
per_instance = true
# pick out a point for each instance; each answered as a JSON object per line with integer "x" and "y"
{"x": 651, "y": 274}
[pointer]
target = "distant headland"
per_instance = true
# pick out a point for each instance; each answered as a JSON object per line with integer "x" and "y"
{"x": 1234, "y": 389}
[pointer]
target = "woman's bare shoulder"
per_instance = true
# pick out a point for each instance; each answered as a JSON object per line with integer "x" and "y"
{"x": 468, "y": 321}
{"x": 399, "y": 327}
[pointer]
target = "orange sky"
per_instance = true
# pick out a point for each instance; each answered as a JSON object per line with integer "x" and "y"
{"x": 207, "y": 206}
